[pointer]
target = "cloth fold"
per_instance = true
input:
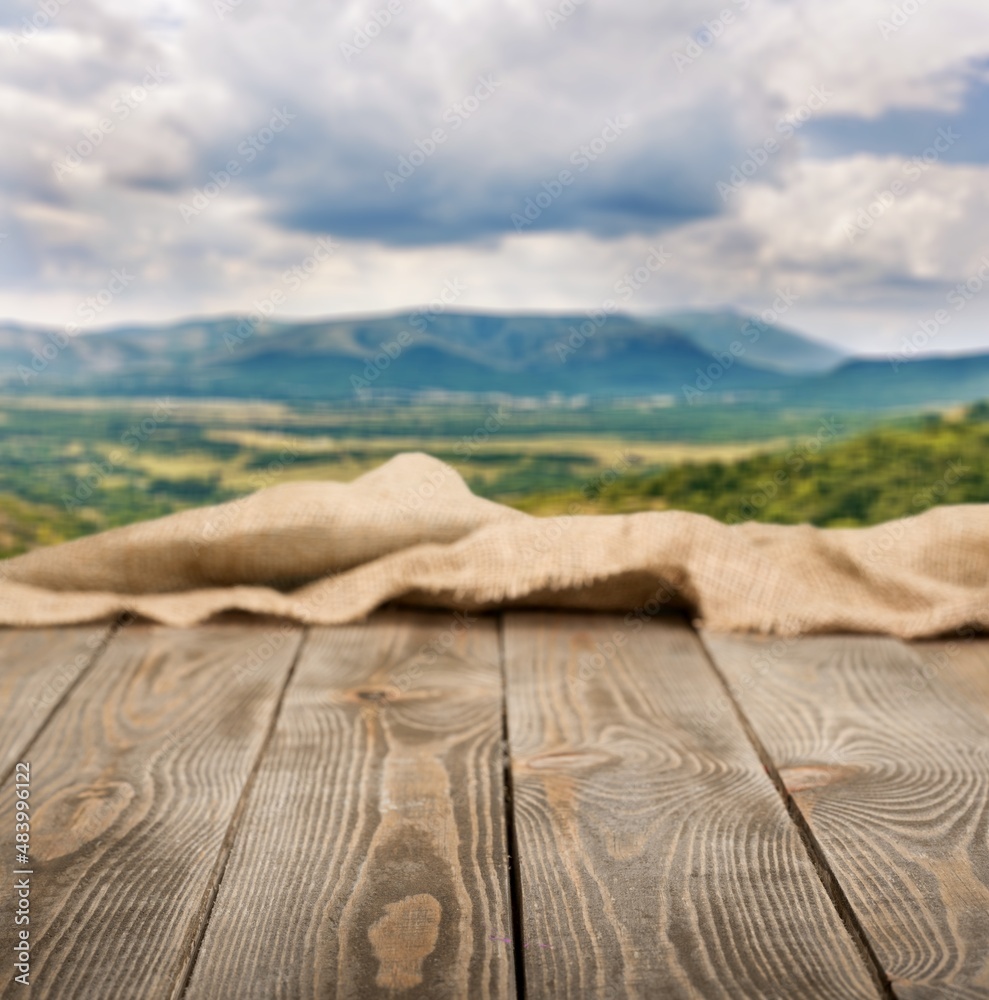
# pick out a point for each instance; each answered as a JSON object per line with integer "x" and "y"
{"x": 412, "y": 532}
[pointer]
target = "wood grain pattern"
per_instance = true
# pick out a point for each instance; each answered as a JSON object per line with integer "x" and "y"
{"x": 656, "y": 857}
{"x": 37, "y": 667}
{"x": 885, "y": 750}
{"x": 136, "y": 780}
{"x": 371, "y": 861}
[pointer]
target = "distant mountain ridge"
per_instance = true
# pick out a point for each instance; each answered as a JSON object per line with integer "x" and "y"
{"x": 694, "y": 357}
{"x": 474, "y": 352}
{"x": 767, "y": 344}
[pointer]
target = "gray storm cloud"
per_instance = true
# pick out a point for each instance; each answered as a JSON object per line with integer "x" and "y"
{"x": 205, "y": 146}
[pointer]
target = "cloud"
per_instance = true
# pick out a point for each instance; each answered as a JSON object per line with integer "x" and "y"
{"x": 189, "y": 91}
{"x": 907, "y": 133}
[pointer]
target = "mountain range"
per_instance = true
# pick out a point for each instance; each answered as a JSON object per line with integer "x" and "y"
{"x": 694, "y": 357}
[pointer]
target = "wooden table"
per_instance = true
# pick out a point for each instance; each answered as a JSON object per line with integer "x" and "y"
{"x": 542, "y": 805}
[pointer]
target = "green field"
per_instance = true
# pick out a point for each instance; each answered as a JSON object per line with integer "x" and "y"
{"x": 71, "y": 467}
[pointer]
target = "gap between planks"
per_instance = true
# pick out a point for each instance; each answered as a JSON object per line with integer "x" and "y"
{"x": 384, "y": 838}
{"x": 817, "y": 855}
{"x": 96, "y": 747}
{"x": 671, "y": 930}
{"x": 511, "y": 838}
{"x": 107, "y": 633}
{"x": 226, "y": 847}
{"x": 831, "y": 885}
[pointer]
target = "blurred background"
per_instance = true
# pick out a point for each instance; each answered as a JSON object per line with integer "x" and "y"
{"x": 729, "y": 257}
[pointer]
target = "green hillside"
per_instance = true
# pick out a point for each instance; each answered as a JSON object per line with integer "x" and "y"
{"x": 71, "y": 467}
{"x": 828, "y": 478}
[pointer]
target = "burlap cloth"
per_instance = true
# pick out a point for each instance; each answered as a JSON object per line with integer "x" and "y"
{"x": 412, "y": 532}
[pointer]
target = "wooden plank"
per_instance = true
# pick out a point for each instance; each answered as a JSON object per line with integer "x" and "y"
{"x": 37, "y": 668}
{"x": 656, "y": 858}
{"x": 372, "y": 859}
{"x": 135, "y": 784}
{"x": 884, "y": 748}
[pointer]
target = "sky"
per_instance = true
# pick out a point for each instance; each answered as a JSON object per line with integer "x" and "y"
{"x": 822, "y": 164}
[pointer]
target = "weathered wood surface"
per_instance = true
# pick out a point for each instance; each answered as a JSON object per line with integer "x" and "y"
{"x": 136, "y": 783}
{"x": 37, "y": 668}
{"x": 248, "y": 810}
{"x": 656, "y": 856}
{"x": 371, "y": 861}
{"x": 884, "y": 749}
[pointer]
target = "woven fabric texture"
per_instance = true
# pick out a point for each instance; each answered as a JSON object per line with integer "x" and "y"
{"x": 412, "y": 532}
